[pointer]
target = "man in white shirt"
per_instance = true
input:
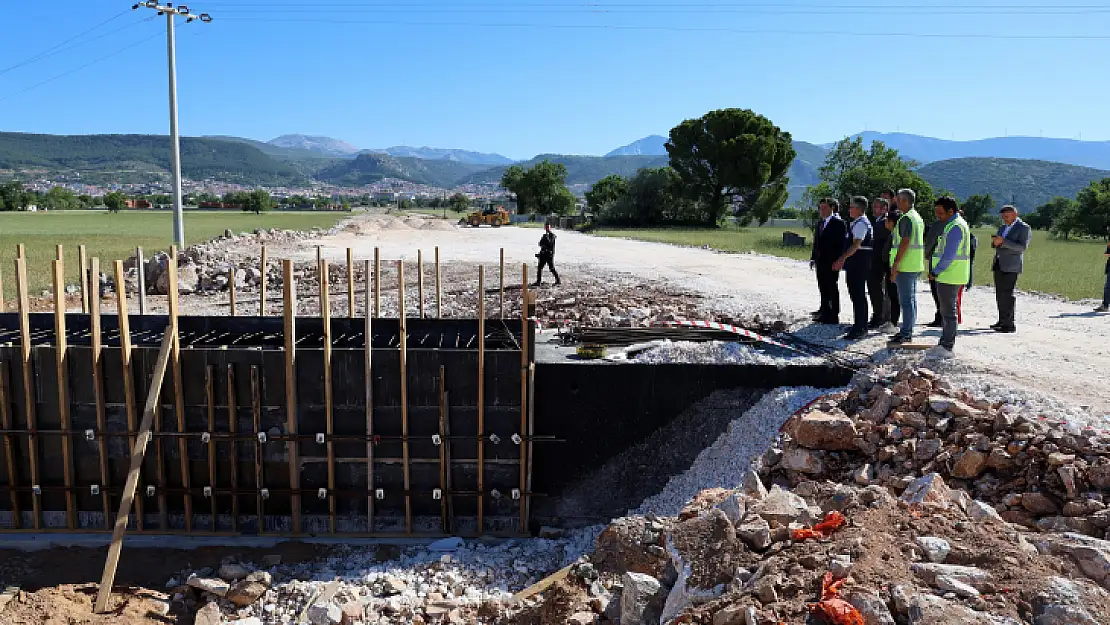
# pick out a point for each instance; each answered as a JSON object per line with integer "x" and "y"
{"x": 856, "y": 262}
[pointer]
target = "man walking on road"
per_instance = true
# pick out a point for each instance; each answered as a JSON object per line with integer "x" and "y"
{"x": 1106, "y": 289}
{"x": 828, "y": 245}
{"x": 856, "y": 262}
{"x": 907, "y": 261}
{"x": 880, "y": 266}
{"x": 1009, "y": 258}
{"x": 950, "y": 270}
{"x": 547, "y": 255}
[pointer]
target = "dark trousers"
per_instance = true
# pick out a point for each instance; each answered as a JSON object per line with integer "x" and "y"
{"x": 549, "y": 262}
{"x": 895, "y": 305}
{"x": 828, "y": 285}
{"x": 876, "y": 289}
{"x": 857, "y": 290}
{"x": 1004, "y": 283}
{"x": 937, "y": 318}
{"x": 1106, "y": 292}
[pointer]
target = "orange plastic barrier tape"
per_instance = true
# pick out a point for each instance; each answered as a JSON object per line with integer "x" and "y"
{"x": 835, "y": 609}
{"x": 833, "y": 521}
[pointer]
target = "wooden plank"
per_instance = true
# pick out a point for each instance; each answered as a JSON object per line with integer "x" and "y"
{"x": 501, "y": 286}
{"x": 98, "y": 392}
{"x": 232, "y": 300}
{"x": 58, "y": 255}
{"x": 329, "y": 409}
{"x": 541, "y": 585}
{"x": 443, "y": 448}
{"x": 83, "y": 259}
{"x": 910, "y": 347}
{"x": 233, "y": 428}
{"x": 368, "y": 347}
{"x": 6, "y": 597}
{"x": 60, "y": 353}
{"x": 350, "y": 283}
{"x": 210, "y": 397}
{"x": 127, "y": 373}
{"x": 377, "y": 283}
{"x": 262, "y": 285}
{"x": 106, "y": 580}
{"x": 259, "y": 467}
{"x": 20, "y": 251}
{"x": 403, "y": 351}
{"x": 481, "y": 397}
{"x": 439, "y": 294}
{"x": 141, "y": 265}
{"x": 28, "y": 380}
{"x": 179, "y": 390}
{"x": 9, "y": 444}
{"x": 420, "y": 280}
{"x": 525, "y": 433}
{"x": 289, "y": 287}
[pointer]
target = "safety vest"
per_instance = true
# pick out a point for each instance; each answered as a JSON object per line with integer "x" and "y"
{"x": 959, "y": 272}
{"x": 914, "y": 259}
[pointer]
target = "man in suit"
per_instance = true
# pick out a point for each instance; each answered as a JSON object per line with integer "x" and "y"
{"x": 1106, "y": 289}
{"x": 1009, "y": 257}
{"x": 828, "y": 245}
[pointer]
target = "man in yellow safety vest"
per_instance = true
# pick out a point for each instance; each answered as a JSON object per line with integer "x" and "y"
{"x": 907, "y": 261}
{"x": 951, "y": 270}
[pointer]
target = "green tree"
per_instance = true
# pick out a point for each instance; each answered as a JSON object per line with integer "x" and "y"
{"x": 1046, "y": 215}
{"x": 850, "y": 170}
{"x": 654, "y": 197}
{"x": 605, "y": 192}
{"x": 257, "y": 202}
{"x": 978, "y": 209}
{"x": 13, "y": 197}
{"x": 1092, "y": 209}
{"x": 541, "y": 189}
{"x": 459, "y": 203}
{"x": 115, "y": 201}
{"x": 87, "y": 201}
{"x": 733, "y": 156}
{"x": 60, "y": 199}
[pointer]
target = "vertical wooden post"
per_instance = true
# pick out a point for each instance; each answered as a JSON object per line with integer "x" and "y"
{"x": 439, "y": 296}
{"x": 141, "y": 264}
{"x": 525, "y": 434}
{"x": 481, "y": 397}
{"x": 259, "y": 464}
{"x": 20, "y": 251}
{"x": 263, "y": 284}
{"x": 350, "y": 283}
{"x": 28, "y": 380}
{"x": 58, "y": 255}
{"x": 3, "y": 308}
{"x": 377, "y": 283}
{"x": 60, "y": 349}
{"x": 443, "y": 469}
{"x": 179, "y": 391}
{"x": 128, "y": 375}
{"x": 9, "y": 444}
{"x": 404, "y": 341}
{"x": 420, "y": 279}
{"x": 325, "y": 315}
{"x": 369, "y": 347}
{"x": 83, "y": 262}
{"x": 210, "y": 396}
{"x": 233, "y": 428}
{"x": 290, "y": 331}
{"x": 231, "y": 291}
{"x": 501, "y": 286}
{"x": 98, "y": 393}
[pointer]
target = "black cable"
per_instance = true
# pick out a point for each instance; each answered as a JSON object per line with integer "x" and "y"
{"x": 55, "y": 49}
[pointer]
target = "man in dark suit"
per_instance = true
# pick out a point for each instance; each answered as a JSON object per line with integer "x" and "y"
{"x": 1009, "y": 246}
{"x": 828, "y": 244}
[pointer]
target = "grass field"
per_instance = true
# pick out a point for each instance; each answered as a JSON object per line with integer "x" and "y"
{"x": 115, "y": 236}
{"x": 1073, "y": 269}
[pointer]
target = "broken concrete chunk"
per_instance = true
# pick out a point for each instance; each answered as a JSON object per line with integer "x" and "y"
{"x": 1069, "y": 602}
{"x": 582, "y": 618}
{"x": 232, "y": 572}
{"x": 981, "y": 511}
{"x": 753, "y": 486}
{"x": 784, "y": 507}
{"x": 871, "y": 607}
{"x": 1039, "y": 504}
{"x": 970, "y": 575}
{"x": 969, "y": 464}
{"x": 734, "y": 507}
{"x": 803, "y": 461}
{"x": 245, "y": 593}
{"x": 826, "y": 431}
{"x": 951, "y": 584}
{"x": 325, "y": 614}
{"x": 936, "y": 549}
{"x": 215, "y": 586}
{"x": 208, "y": 615}
{"x": 755, "y": 532}
{"x": 928, "y": 490}
{"x": 1090, "y": 554}
{"x": 927, "y": 609}
{"x": 641, "y": 599}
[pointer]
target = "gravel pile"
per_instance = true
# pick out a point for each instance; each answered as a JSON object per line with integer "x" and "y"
{"x": 715, "y": 352}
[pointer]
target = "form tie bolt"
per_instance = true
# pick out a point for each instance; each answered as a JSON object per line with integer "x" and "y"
{"x": 262, "y": 437}
{"x": 496, "y": 494}
{"x": 265, "y": 493}
{"x": 150, "y": 491}
{"x": 36, "y": 489}
{"x": 436, "y": 440}
{"x": 517, "y": 439}
{"x": 320, "y": 438}
{"x": 90, "y": 435}
{"x": 94, "y": 489}
{"x": 379, "y": 494}
{"x": 322, "y": 493}
{"x": 437, "y": 494}
{"x": 495, "y": 439}
{"x": 208, "y": 491}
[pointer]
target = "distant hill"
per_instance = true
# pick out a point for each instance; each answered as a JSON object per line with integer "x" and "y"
{"x": 127, "y": 158}
{"x": 928, "y": 149}
{"x": 580, "y": 169}
{"x": 440, "y": 154}
{"x": 324, "y": 146}
{"x": 648, "y": 146}
{"x": 368, "y": 168}
{"x": 1026, "y": 183}
{"x": 289, "y": 154}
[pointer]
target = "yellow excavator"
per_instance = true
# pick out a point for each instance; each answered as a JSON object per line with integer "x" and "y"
{"x": 491, "y": 215}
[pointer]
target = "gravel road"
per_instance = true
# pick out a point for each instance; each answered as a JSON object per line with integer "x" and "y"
{"x": 1061, "y": 348}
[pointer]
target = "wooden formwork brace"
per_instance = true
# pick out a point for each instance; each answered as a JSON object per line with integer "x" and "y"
{"x": 439, "y": 295}
{"x": 377, "y": 283}
{"x": 233, "y": 428}
{"x": 262, "y": 285}
{"x": 105, "y": 591}
{"x": 525, "y": 432}
{"x": 20, "y": 251}
{"x": 60, "y": 354}
{"x": 3, "y": 308}
{"x": 210, "y": 396}
{"x": 259, "y": 465}
{"x": 28, "y": 380}
{"x": 481, "y": 396}
{"x": 501, "y": 286}
{"x": 329, "y": 409}
{"x": 443, "y": 468}
{"x": 141, "y": 265}
{"x": 128, "y": 375}
{"x": 420, "y": 279}
{"x": 350, "y": 283}
{"x": 369, "y": 348}
{"x": 98, "y": 393}
{"x": 232, "y": 298}
{"x": 58, "y": 255}
{"x": 179, "y": 391}
{"x": 290, "y": 331}
{"x": 83, "y": 263}
{"x": 9, "y": 444}
{"x": 403, "y": 350}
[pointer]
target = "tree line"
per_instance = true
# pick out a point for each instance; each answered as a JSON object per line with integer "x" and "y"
{"x": 1087, "y": 215}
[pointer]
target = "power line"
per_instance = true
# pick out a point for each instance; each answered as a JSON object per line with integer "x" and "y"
{"x": 785, "y": 11}
{"x": 58, "y": 50}
{"x": 48, "y": 51}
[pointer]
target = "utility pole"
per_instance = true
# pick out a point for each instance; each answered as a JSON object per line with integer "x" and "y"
{"x": 171, "y": 12}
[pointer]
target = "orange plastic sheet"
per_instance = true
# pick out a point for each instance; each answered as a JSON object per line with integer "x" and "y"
{"x": 833, "y": 521}
{"x": 832, "y": 607}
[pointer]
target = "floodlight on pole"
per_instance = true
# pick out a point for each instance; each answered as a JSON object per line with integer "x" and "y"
{"x": 171, "y": 12}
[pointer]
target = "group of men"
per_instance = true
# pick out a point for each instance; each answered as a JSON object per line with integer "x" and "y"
{"x": 883, "y": 258}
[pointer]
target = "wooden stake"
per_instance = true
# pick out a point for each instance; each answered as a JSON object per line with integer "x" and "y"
{"x": 289, "y": 287}
{"x": 233, "y": 428}
{"x": 262, "y": 286}
{"x": 83, "y": 258}
{"x": 420, "y": 279}
{"x": 231, "y": 291}
{"x": 439, "y": 300}
{"x": 28, "y": 379}
{"x": 259, "y": 469}
{"x": 524, "y": 433}
{"x": 369, "y": 348}
{"x": 443, "y": 448}
{"x": 98, "y": 392}
{"x": 447, "y": 497}
{"x": 60, "y": 349}
{"x": 20, "y": 251}
{"x": 481, "y": 397}
{"x": 128, "y": 375}
{"x": 501, "y": 286}
{"x": 142, "y": 296}
{"x": 377, "y": 283}
{"x": 210, "y": 396}
{"x": 404, "y": 340}
{"x": 179, "y": 391}
{"x": 9, "y": 445}
{"x": 2, "y": 307}
{"x": 350, "y": 283}
{"x": 105, "y": 591}
{"x": 325, "y": 314}
{"x": 58, "y": 255}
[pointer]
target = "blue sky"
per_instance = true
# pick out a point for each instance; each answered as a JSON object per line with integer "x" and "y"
{"x": 527, "y": 77}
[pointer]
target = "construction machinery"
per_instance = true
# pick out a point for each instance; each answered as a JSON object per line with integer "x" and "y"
{"x": 491, "y": 215}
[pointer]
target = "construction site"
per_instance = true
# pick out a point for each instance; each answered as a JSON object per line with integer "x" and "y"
{"x": 389, "y": 422}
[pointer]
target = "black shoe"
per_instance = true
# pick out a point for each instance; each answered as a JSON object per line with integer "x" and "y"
{"x": 875, "y": 324}
{"x": 816, "y": 313}
{"x": 995, "y": 326}
{"x": 557, "y": 283}
{"x": 898, "y": 339}
{"x": 536, "y": 285}
{"x": 937, "y": 323}
{"x": 829, "y": 321}
{"x": 1006, "y": 329}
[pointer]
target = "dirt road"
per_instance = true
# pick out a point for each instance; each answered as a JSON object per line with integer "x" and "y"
{"x": 1061, "y": 349}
